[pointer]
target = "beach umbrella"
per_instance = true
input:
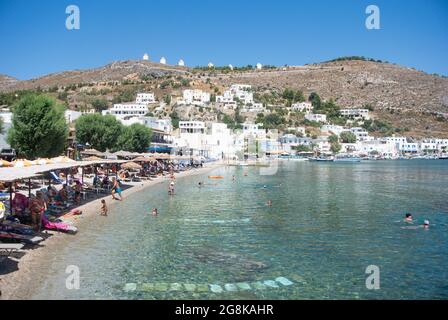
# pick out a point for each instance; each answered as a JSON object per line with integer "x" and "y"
{"x": 144, "y": 159}
{"x": 62, "y": 159}
{"x": 20, "y": 163}
{"x": 92, "y": 152}
{"x": 42, "y": 161}
{"x": 131, "y": 166}
{"x": 92, "y": 158}
{"x": 4, "y": 163}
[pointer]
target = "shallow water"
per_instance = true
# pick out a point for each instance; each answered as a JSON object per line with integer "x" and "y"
{"x": 328, "y": 222}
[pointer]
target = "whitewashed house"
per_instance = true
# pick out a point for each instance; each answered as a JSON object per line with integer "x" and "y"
{"x": 145, "y": 98}
{"x": 194, "y": 97}
{"x": 129, "y": 109}
{"x": 355, "y": 114}
{"x": 302, "y": 107}
{"x": 332, "y": 129}
{"x": 316, "y": 117}
{"x": 361, "y": 134}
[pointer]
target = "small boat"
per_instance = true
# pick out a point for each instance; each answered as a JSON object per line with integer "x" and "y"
{"x": 347, "y": 159}
{"x": 321, "y": 159}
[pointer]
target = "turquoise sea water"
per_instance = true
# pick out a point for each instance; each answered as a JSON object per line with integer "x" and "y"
{"x": 328, "y": 222}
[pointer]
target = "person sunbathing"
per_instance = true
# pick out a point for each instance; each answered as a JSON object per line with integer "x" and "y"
{"x": 62, "y": 195}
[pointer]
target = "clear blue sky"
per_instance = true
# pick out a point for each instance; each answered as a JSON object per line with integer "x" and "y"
{"x": 34, "y": 40}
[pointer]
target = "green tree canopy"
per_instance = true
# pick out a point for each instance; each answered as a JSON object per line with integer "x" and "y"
{"x": 100, "y": 132}
{"x": 335, "y": 147}
{"x": 135, "y": 138}
{"x": 38, "y": 127}
{"x": 333, "y": 138}
{"x": 314, "y": 99}
{"x": 100, "y": 104}
{"x": 347, "y": 137}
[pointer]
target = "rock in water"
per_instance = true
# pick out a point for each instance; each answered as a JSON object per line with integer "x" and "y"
{"x": 284, "y": 281}
{"x": 243, "y": 286}
{"x": 190, "y": 287}
{"x": 258, "y": 285}
{"x": 175, "y": 287}
{"x": 216, "y": 288}
{"x": 271, "y": 283}
{"x": 130, "y": 287}
{"x": 230, "y": 287}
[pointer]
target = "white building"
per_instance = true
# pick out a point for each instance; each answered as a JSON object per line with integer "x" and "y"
{"x": 361, "y": 134}
{"x": 129, "y": 109}
{"x": 254, "y": 130}
{"x": 259, "y": 66}
{"x": 355, "y": 113}
{"x": 145, "y": 98}
{"x": 253, "y": 107}
{"x": 181, "y": 63}
{"x": 146, "y": 57}
{"x": 195, "y": 97}
{"x": 71, "y": 115}
{"x": 316, "y": 117}
{"x": 333, "y": 129}
{"x": 163, "y": 60}
{"x": 6, "y": 115}
{"x": 302, "y": 107}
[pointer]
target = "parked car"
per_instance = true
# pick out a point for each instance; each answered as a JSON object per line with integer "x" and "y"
{"x": 8, "y": 154}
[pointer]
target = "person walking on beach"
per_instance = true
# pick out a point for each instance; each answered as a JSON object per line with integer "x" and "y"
{"x": 116, "y": 189}
{"x": 104, "y": 209}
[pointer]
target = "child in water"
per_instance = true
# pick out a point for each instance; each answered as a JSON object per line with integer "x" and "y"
{"x": 103, "y": 208}
{"x": 408, "y": 217}
{"x": 154, "y": 212}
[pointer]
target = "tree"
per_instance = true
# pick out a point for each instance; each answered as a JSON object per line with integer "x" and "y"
{"x": 135, "y": 138}
{"x": 335, "y": 147}
{"x": 101, "y": 132}
{"x": 99, "y": 104}
{"x": 175, "y": 119}
{"x": 38, "y": 127}
{"x": 333, "y": 138}
{"x": 314, "y": 99}
{"x": 347, "y": 137}
{"x": 273, "y": 120}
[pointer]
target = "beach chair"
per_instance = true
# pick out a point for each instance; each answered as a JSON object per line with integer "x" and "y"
{"x": 6, "y": 249}
{"x": 56, "y": 179}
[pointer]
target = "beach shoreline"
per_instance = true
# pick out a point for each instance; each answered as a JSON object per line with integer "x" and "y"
{"x": 24, "y": 280}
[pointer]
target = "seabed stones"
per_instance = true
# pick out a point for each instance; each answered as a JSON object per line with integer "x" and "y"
{"x": 215, "y": 288}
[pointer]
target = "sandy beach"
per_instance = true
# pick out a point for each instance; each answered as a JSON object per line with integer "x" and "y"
{"x": 24, "y": 273}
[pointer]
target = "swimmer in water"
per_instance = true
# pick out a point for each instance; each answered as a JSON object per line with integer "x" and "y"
{"x": 233, "y": 178}
{"x": 269, "y": 203}
{"x": 408, "y": 218}
{"x": 426, "y": 224}
{"x": 154, "y": 212}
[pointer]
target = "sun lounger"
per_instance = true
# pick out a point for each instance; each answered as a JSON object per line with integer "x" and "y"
{"x": 6, "y": 249}
{"x": 55, "y": 178}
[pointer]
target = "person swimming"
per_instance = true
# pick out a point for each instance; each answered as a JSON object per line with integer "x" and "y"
{"x": 269, "y": 203}
{"x": 408, "y": 217}
{"x": 426, "y": 224}
{"x": 154, "y": 212}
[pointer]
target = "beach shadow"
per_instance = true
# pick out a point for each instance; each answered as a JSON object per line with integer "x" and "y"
{"x": 8, "y": 265}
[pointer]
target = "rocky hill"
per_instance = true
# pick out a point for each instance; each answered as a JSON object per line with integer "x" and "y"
{"x": 402, "y": 96}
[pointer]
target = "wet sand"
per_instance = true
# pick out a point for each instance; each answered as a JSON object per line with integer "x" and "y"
{"x": 21, "y": 278}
